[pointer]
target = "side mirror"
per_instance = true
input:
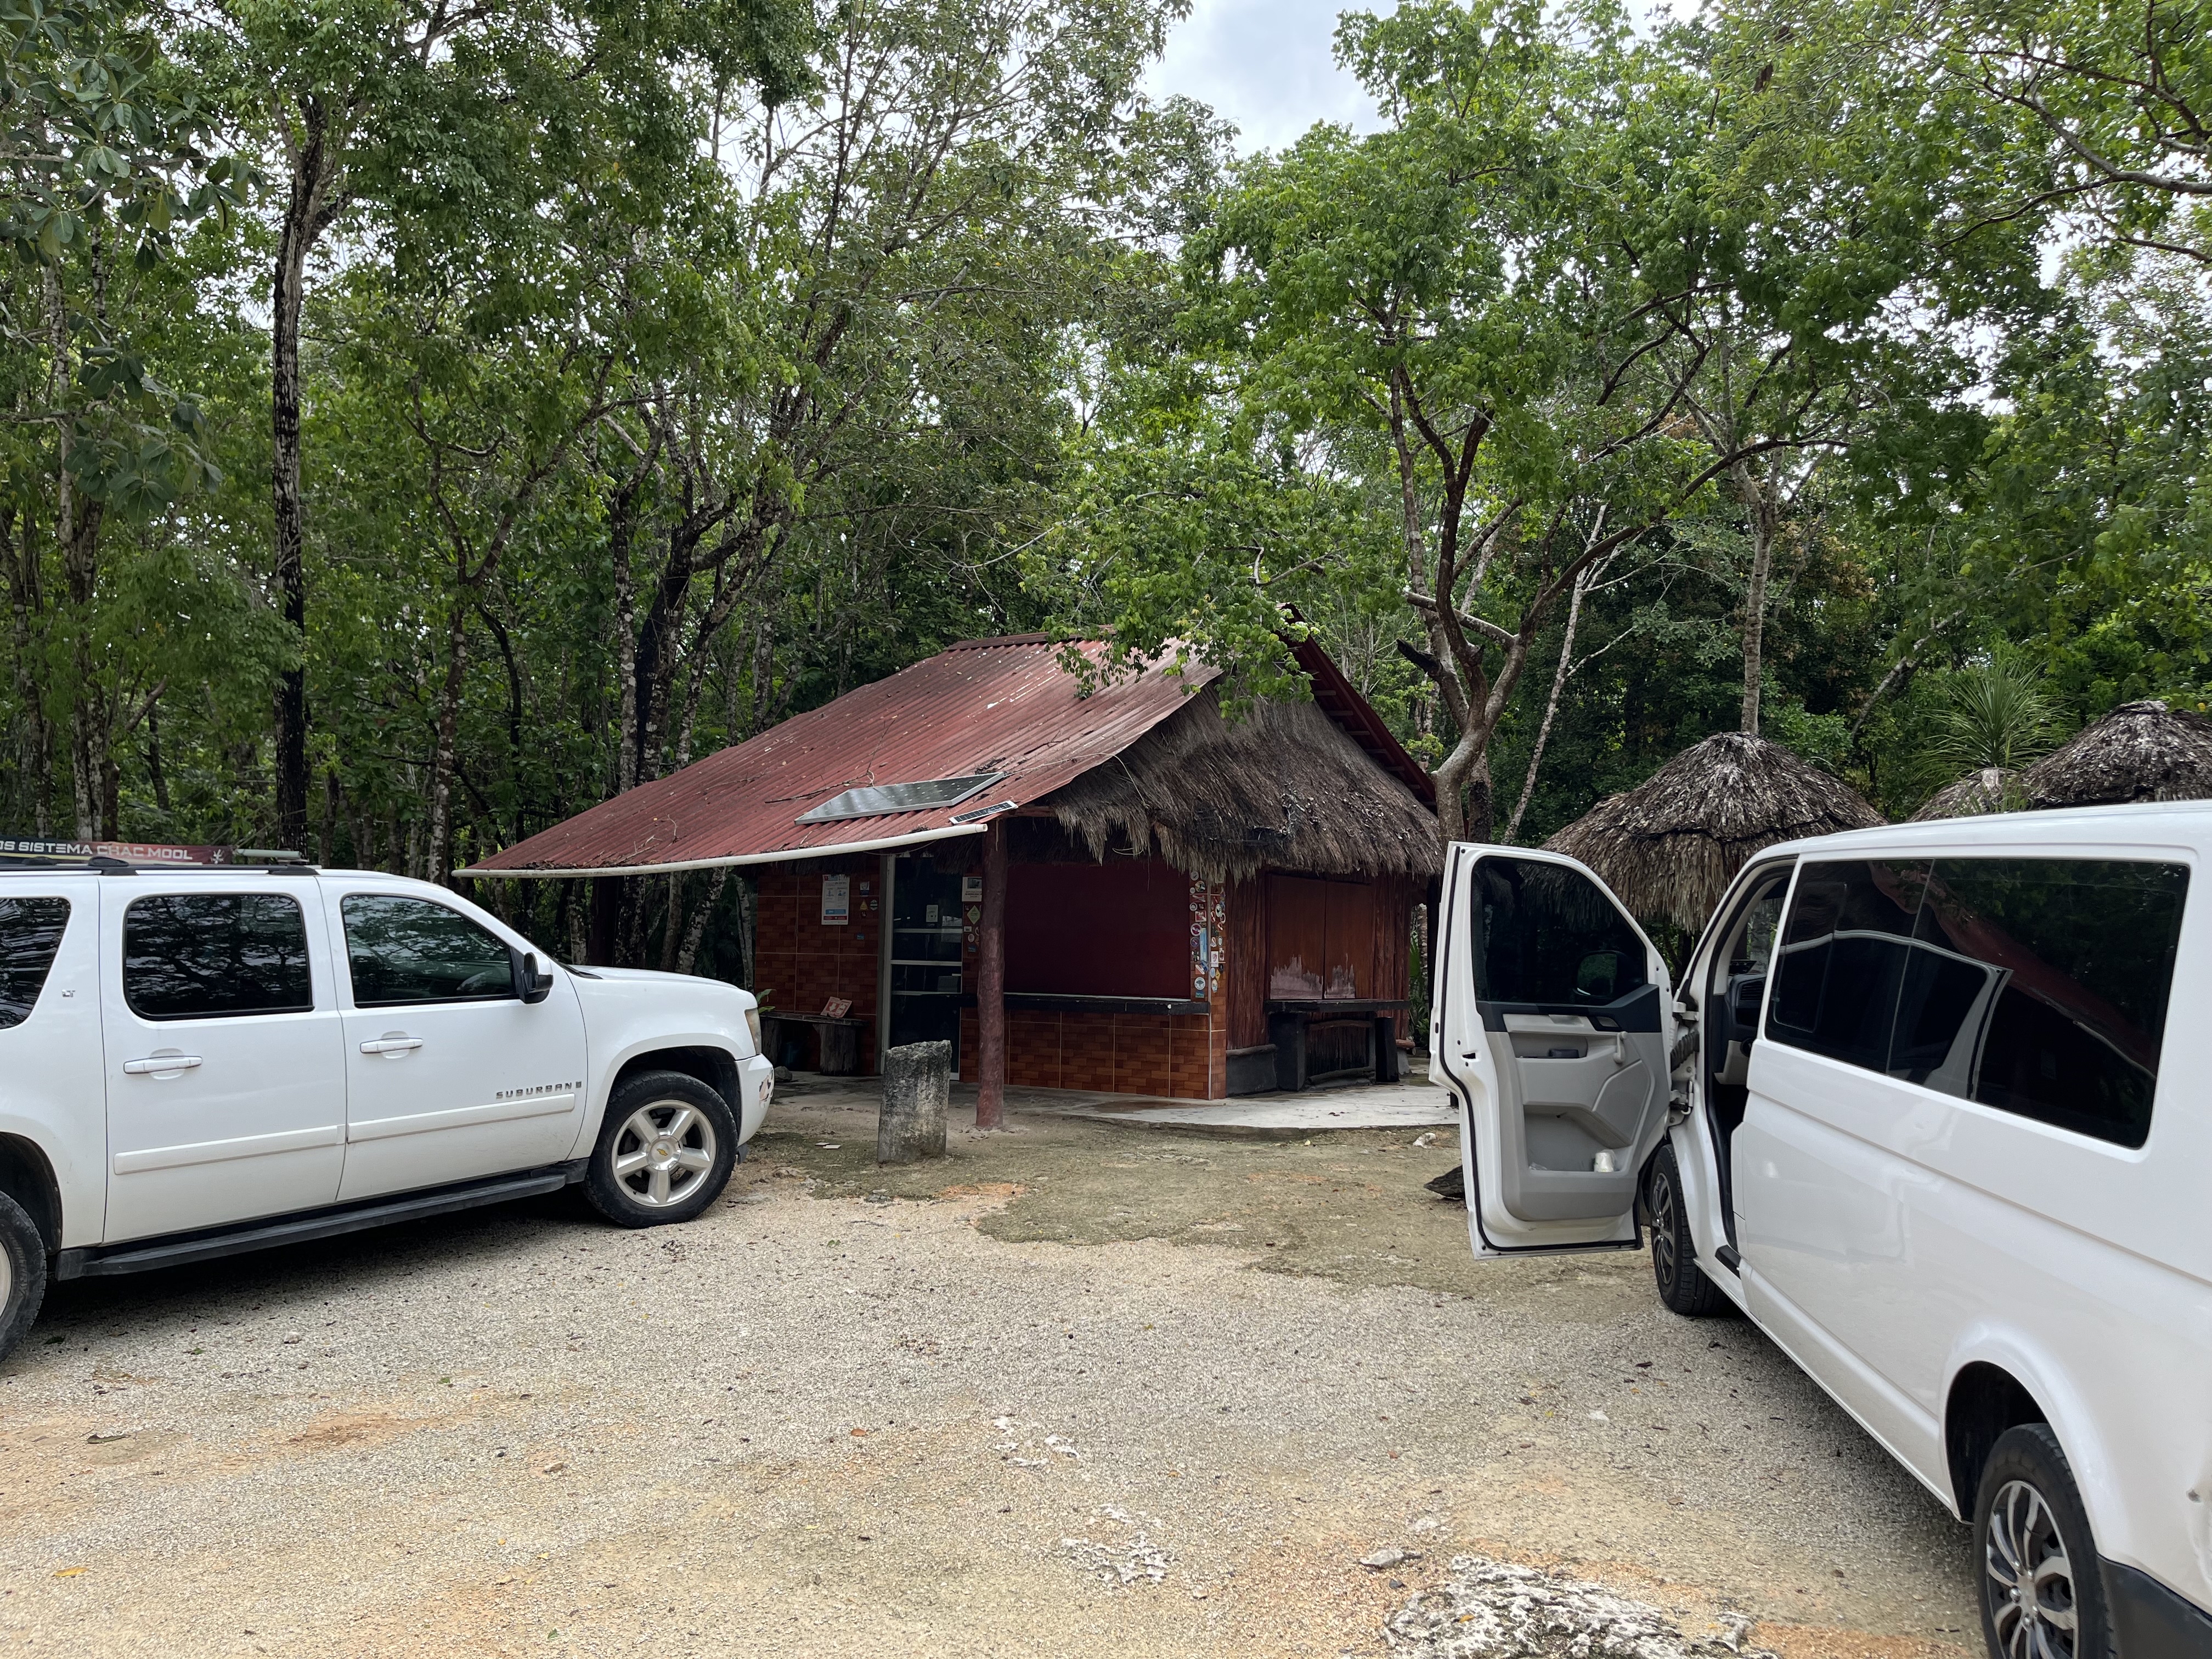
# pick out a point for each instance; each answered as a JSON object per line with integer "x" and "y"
{"x": 532, "y": 982}
{"x": 1744, "y": 998}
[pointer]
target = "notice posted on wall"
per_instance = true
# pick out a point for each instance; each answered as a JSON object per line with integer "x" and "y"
{"x": 837, "y": 900}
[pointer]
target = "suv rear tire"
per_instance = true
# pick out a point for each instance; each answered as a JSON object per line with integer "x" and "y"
{"x": 2038, "y": 1562}
{"x": 665, "y": 1152}
{"x": 1682, "y": 1283}
{"x": 22, "y": 1274}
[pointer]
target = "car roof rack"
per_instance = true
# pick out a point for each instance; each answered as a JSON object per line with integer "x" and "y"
{"x": 23, "y": 854}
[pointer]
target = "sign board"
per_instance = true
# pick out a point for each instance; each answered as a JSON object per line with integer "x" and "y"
{"x": 971, "y": 889}
{"x": 133, "y": 852}
{"x": 837, "y": 900}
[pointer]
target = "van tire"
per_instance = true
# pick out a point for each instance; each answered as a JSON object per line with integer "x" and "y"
{"x": 1683, "y": 1285}
{"x": 626, "y": 1197}
{"x": 22, "y": 1274}
{"x": 2028, "y": 1509}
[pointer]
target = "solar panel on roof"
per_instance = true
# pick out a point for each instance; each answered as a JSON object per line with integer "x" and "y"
{"x": 877, "y": 800}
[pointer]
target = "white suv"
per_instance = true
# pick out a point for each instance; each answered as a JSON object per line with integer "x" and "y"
{"x": 199, "y": 1060}
{"x": 1930, "y": 1107}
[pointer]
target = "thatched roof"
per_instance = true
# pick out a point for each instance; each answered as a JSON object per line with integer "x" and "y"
{"x": 2139, "y": 751}
{"x": 1992, "y": 789}
{"x": 1283, "y": 788}
{"x": 1670, "y": 845}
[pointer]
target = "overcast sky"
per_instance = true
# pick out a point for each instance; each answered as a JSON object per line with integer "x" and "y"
{"x": 1266, "y": 65}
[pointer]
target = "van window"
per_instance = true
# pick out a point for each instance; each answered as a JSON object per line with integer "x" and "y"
{"x": 203, "y": 956}
{"x": 1843, "y": 957}
{"x": 2038, "y": 986}
{"x": 1550, "y": 935}
{"x": 30, "y": 935}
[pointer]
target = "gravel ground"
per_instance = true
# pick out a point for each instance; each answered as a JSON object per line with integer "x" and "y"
{"x": 1080, "y": 1389}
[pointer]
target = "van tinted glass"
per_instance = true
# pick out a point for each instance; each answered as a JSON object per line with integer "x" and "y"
{"x": 1550, "y": 935}
{"x": 30, "y": 934}
{"x": 2039, "y": 986}
{"x": 200, "y": 955}
{"x": 1843, "y": 957}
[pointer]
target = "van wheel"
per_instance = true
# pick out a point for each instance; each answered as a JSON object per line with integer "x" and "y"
{"x": 2042, "y": 1591}
{"x": 22, "y": 1274}
{"x": 665, "y": 1151}
{"x": 1683, "y": 1285}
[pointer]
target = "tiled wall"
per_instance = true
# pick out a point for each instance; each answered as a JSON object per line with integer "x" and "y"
{"x": 1180, "y": 1056}
{"x": 803, "y": 963}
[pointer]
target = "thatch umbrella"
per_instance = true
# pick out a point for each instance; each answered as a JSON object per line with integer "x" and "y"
{"x": 1992, "y": 789}
{"x": 1670, "y": 845}
{"x": 2139, "y": 751}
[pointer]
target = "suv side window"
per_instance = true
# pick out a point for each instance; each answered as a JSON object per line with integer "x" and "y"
{"x": 2046, "y": 992}
{"x": 30, "y": 937}
{"x": 1842, "y": 958}
{"x": 404, "y": 950}
{"x": 1551, "y": 936}
{"x": 205, "y": 956}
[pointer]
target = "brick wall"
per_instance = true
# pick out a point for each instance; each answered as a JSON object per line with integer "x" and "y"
{"x": 802, "y": 962}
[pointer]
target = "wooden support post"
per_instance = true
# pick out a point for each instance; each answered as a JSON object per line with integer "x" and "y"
{"x": 991, "y": 983}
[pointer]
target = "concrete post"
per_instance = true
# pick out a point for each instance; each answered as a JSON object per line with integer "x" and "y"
{"x": 917, "y": 1085}
{"x": 991, "y": 983}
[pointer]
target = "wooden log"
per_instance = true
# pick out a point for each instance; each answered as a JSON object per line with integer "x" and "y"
{"x": 917, "y": 1085}
{"x": 991, "y": 983}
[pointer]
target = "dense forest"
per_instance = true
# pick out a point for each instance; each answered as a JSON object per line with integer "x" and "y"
{"x": 429, "y": 417}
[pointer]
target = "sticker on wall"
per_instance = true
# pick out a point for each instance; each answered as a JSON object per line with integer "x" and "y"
{"x": 837, "y": 900}
{"x": 971, "y": 889}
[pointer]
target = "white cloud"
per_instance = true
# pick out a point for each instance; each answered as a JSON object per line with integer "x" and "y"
{"x": 1268, "y": 65}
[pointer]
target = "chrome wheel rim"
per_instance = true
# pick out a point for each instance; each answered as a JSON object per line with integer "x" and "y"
{"x": 664, "y": 1150}
{"x": 7, "y": 1280}
{"x": 2030, "y": 1580}
{"x": 1662, "y": 1226}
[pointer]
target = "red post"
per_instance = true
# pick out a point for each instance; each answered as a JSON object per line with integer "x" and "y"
{"x": 991, "y": 983}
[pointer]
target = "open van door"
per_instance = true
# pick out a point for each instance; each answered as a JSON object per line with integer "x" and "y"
{"x": 1551, "y": 1028}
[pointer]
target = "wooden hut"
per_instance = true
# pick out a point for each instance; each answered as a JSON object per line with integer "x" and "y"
{"x": 1669, "y": 846}
{"x": 1113, "y": 887}
{"x": 1989, "y": 789}
{"x": 2139, "y": 751}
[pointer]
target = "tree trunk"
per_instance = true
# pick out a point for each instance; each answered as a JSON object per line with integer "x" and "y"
{"x": 438, "y": 853}
{"x": 303, "y": 222}
{"x": 1760, "y": 515}
{"x": 1551, "y": 710}
{"x": 34, "y": 743}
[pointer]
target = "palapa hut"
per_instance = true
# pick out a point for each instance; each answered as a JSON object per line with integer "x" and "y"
{"x": 1670, "y": 845}
{"x": 2139, "y": 751}
{"x": 1992, "y": 789}
{"x": 1111, "y": 887}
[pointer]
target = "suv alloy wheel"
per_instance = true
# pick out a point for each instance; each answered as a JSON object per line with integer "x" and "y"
{"x": 665, "y": 1152}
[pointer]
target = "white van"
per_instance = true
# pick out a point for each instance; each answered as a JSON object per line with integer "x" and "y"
{"x": 1931, "y": 1108}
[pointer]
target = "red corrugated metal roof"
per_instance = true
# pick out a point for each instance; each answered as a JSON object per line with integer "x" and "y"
{"x": 1003, "y": 705}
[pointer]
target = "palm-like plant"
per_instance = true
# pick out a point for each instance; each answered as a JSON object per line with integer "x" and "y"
{"x": 1997, "y": 715}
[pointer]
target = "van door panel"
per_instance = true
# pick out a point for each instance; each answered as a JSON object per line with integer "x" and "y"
{"x": 1550, "y": 1023}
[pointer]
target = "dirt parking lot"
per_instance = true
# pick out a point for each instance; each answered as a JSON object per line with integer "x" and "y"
{"x": 1081, "y": 1388}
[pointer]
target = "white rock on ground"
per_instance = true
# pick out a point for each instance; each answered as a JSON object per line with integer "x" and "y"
{"x": 1496, "y": 1610}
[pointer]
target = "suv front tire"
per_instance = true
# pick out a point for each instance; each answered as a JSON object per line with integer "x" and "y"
{"x": 665, "y": 1151}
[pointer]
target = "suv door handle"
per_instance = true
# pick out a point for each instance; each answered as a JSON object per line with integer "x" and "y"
{"x": 161, "y": 1064}
{"x": 391, "y": 1045}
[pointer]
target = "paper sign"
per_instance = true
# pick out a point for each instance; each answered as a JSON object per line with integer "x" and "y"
{"x": 971, "y": 889}
{"x": 837, "y": 900}
{"x": 836, "y": 1008}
